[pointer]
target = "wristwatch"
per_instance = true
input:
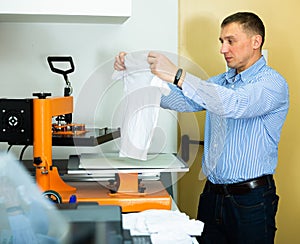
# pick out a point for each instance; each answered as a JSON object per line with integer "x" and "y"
{"x": 177, "y": 77}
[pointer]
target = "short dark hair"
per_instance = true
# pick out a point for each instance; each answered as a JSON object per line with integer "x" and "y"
{"x": 249, "y": 21}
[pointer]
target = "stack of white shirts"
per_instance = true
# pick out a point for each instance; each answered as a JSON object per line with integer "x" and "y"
{"x": 164, "y": 226}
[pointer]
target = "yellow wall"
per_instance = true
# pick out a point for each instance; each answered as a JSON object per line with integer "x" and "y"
{"x": 199, "y": 22}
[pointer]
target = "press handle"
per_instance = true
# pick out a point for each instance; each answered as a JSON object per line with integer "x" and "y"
{"x": 52, "y": 59}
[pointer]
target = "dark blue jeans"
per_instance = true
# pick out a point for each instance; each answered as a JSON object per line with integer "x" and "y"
{"x": 235, "y": 219}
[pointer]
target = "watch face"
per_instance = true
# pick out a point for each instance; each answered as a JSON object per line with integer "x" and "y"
{"x": 177, "y": 76}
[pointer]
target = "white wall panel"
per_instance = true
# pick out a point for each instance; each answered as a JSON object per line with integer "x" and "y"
{"x": 25, "y": 46}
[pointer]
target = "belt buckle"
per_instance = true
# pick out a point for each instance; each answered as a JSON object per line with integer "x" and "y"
{"x": 252, "y": 184}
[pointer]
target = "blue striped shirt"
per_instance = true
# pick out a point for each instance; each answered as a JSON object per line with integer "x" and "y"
{"x": 251, "y": 106}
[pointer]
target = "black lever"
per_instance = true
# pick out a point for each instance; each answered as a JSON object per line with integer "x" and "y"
{"x": 68, "y": 89}
{"x": 68, "y": 59}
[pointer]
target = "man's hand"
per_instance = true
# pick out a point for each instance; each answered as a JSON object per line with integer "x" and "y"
{"x": 120, "y": 61}
{"x": 162, "y": 67}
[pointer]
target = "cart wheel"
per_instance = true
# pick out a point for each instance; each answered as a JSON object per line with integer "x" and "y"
{"x": 52, "y": 196}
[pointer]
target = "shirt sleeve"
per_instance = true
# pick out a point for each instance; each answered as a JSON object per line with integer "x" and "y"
{"x": 177, "y": 101}
{"x": 267, "y": 92}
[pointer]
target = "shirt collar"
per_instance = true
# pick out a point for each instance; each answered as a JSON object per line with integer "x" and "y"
{"x": 246, "y": 75}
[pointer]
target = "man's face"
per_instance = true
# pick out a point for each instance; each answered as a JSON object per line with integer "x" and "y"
{"x": 240, "y": 49}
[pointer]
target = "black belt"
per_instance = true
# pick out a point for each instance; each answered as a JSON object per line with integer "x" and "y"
{"x": 241, "y": 187}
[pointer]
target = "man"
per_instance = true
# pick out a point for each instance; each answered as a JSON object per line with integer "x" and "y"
{"x": 246, "y": 108}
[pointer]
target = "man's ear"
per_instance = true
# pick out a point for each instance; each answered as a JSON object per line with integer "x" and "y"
{"x": 256, "y": 41}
